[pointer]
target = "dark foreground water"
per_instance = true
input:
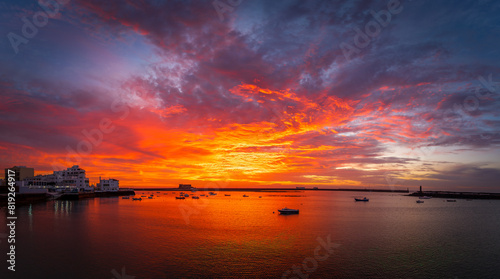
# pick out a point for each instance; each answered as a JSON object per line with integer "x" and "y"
{"x": 391, "y": 236}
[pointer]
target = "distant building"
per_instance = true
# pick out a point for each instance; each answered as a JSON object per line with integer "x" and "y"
{"x": 315, "y": 188}
{"x": 20, "y": 172}
{"x": 185, "y": 186}
{"x": 300, "y": 188}
{"x": 107, "y": 185}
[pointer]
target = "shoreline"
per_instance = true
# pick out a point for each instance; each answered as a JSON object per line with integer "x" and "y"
{"x": 457, "y": 195}
{"x": 27, "y": 198}
{"x": 270, "y": 190}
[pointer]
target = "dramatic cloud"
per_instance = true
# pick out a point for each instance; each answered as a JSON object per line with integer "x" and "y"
{"x": 387, "y": 94}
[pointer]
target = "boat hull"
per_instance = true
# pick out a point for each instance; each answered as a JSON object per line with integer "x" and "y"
{"x": 288, "y": 212}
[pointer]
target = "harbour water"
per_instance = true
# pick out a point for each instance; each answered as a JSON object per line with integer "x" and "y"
{"x": 391, "y": 236}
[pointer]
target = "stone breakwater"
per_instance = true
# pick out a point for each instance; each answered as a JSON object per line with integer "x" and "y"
{"x": 23, "y": 199}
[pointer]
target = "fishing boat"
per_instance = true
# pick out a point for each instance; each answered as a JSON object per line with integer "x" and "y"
{"x": 150, "y": 197}
{"x": 137, "y": 199}
{"x": 363, "y": 199}
{"x": 419, "y": 201}
{"x": 186, "y": 195}
{"x": 195, "y": 197}
{"x": 180, "y": 198}
{"x": 285, "y": 210}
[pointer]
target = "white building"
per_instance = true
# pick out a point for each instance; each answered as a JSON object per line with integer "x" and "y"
{"x": 107, "y": 185}
{"x": 72, "y": 178}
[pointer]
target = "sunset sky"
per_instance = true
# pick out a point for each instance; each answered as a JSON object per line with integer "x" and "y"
{"x": 251, "y": 93}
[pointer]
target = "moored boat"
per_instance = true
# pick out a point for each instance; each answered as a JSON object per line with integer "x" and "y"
{"x": 180, "y": 198}
{"x": 54, "y": 195}
{"x": 419, "y": 201}
{"x": 363, "y": 199}
{"x": 137, "y": 199}
{"x": 285, "y": 210}
{"x": 425, "y": 197}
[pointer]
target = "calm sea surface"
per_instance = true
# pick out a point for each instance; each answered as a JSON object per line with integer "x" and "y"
{"x": 391, "y": 236}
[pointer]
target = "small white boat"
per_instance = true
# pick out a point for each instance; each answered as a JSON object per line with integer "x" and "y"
{"x": 285, "y": 210}
{"x": 363, "y": 199}
{"x": 419, "y": 201}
